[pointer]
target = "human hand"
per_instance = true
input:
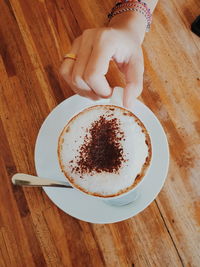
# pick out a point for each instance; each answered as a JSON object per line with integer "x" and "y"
{"x": 120, "y": 41}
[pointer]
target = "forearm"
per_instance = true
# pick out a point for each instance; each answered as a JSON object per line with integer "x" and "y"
{"x": 133, "y": 21}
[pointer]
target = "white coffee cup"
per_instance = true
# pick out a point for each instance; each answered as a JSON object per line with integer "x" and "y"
{"x": 132, "y": 194}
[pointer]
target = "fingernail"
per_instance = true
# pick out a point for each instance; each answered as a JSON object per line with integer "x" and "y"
{"x": 108, "y": 95}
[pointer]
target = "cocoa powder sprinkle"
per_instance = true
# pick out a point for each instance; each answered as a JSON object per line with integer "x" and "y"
{"x": 102, "y": 150}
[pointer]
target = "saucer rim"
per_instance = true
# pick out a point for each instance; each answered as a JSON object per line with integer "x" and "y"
{"x": 103, "y": 221}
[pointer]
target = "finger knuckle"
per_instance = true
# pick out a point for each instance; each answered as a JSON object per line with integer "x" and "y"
{"x": 76, "y": 79}
{"x": 105, "y": 31}
{"x": 87, "y": 32}
{"x": 106, "y": 34}
{"x": 89, "y": 77}
{"x": 103, "y": 36}
{"x": 76, "y": 41}
{"x": 64, "y": 72}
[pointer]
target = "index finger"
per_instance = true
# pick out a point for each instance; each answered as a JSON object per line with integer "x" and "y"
{"x": 97, "y": 67}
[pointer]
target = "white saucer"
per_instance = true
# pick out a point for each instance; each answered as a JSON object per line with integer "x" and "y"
{"x": 78, "y": 204}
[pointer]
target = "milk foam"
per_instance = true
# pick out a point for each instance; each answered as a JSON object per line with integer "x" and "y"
{"x": 134, "y": 148}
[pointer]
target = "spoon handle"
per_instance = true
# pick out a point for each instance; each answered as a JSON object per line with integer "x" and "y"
{"x": 30, "y": 180}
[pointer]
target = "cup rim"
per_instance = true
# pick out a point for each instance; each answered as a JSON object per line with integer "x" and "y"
{"x": 123, "y": 193}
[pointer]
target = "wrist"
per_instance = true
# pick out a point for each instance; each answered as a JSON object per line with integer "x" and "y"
{"x": 132, "y": 22}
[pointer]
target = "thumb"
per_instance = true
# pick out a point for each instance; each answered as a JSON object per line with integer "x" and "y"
{"x": 134, "y": 79}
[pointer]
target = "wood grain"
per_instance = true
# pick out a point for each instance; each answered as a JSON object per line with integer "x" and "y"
{"x": 33, "y": 232}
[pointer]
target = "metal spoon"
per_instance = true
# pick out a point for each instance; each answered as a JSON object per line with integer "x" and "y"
{"x": 30, "y": 180}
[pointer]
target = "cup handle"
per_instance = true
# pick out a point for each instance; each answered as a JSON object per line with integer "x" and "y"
{"x": 124, "y": 200}
{"x": 117, "y": 96}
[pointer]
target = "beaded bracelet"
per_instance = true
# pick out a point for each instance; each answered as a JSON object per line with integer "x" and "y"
{"x": 132, "y": 5}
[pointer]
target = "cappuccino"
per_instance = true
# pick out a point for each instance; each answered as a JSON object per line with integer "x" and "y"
{"x": 104, "y": 150}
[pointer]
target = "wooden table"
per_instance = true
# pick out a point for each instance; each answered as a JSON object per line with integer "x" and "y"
{"x": 33, "y": 232}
